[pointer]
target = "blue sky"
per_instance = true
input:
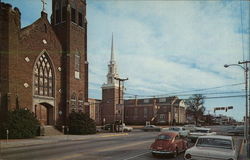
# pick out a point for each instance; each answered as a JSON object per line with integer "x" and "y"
{"x": 166, "y": 47}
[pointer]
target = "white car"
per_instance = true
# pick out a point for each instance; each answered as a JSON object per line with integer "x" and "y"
{"x": 212, "y": 148}
{"x": 200, "y": 131}
{"x": 181, "y": 131}
{"x": 190, "y": 127}
{"x": 125, "y": 128}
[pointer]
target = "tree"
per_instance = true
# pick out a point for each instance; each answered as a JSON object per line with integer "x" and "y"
{"x": 195, "y": 106}
{"x": 20, "y": 123}
{"x": 80, "y": 123}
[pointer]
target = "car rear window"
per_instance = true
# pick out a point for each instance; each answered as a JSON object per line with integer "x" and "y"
{"x": 174, "y": 129}
{"x": 214, "y": 142}
{"x": 164, "y": 137}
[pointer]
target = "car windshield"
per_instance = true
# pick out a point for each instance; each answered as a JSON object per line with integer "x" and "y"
{"x": 202, "y": 131}
{"x": 150, "y": 126}
{"x": 164, "y": 137}
{"x": 239, "y": 128}
{"x": 214, "y": 142}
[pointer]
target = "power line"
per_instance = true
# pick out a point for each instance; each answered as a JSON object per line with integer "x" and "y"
{"x": 187, "y": 91}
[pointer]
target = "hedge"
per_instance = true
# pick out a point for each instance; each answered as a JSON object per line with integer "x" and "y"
{"x": 21, "y": 123}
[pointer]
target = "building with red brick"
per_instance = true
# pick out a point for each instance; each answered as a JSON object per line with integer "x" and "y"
{"x": 44, "y": 66}
{"x": 164, "y": 110}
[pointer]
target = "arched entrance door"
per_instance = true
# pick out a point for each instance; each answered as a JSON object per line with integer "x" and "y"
{"x": 44, "y": 113}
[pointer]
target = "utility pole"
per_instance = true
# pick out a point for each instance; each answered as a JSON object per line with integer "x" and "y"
{"x": 244, "y": 66}
{"x": 247, "y": 109}
{"x": 119, "y": 101}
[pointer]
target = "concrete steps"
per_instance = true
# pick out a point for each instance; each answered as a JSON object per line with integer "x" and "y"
{"x": 50, "y": 131}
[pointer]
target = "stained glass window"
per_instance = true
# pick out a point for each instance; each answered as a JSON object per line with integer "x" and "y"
{"x": 43, "y": 77}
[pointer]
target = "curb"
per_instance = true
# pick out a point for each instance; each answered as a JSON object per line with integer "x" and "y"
{"x": 47, "y": 141}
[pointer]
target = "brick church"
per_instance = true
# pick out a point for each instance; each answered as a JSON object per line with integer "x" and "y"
{"x": 44, "y": 66}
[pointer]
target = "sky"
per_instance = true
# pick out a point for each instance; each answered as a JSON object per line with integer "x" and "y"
{"x": 166, "y": 48}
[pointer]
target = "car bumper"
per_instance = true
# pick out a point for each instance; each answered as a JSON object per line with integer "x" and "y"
{"x": 161, "y": 152}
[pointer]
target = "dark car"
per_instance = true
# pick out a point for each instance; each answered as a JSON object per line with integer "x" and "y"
{"x": 107, "y": 127}
{"x": 151, "y": 128}
{"x": 168, "y": 143}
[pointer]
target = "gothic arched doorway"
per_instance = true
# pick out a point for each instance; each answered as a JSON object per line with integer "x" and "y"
{"x": 44, "y": 89}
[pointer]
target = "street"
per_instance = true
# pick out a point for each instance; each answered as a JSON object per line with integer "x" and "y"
{"x": 121, "y": 146}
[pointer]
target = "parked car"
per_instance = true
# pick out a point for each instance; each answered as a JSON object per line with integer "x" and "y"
{"x": 151, "y": 128}
{"x": 125, "y": 128}
{"x": 212, "y": 147}
{"x": 181, "y": 130}
{"x": 190, "y": 127}
{"x": 238, "y": 130}
{"x": 107, "y": 127}
{"x": 168, "y": 143}
{"x": 199, "y": 131}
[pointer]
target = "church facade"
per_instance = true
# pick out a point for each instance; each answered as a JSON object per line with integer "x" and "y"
{"x": 44, "y": 66}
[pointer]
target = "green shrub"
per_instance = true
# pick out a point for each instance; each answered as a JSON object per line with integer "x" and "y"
{"x": 21, "y": 123}
{"x": 80, "y": 123}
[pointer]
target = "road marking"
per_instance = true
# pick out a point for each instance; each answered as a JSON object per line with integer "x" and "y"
{"x": 136, "y": 156}
{"x": 122, "y": 146}
{"x": 113, "y": 135}
{"x": 69, "y": 156}
{"x": 241, "y": 146}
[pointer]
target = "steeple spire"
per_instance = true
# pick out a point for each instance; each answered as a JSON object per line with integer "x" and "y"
{"x": 44, "y": 3}
{"x": 112, "y": 66}
{"x": 112, "y": 60}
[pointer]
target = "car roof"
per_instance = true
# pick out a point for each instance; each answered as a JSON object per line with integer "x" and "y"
{"x": 202, "y": 128}
{"x": 217, "y": 136}
{"x": 189, "y": 125}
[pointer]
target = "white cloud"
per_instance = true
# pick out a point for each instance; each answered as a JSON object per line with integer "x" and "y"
{"x": 166, "y": 46}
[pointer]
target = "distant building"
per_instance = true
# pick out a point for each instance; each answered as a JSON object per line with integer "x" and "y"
{"x": 164, "y": 110}
{"x": 224, "y": 120}
{"x": 95, "y": 110}
{"x": 44, "y": 66}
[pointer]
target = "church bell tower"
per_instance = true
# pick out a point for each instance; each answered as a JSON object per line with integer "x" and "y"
{"x": 110, "y": 105}
{"x": 70, "y": 25}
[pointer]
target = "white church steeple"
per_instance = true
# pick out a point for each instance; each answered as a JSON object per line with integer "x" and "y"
{"x": 112, "y": 67}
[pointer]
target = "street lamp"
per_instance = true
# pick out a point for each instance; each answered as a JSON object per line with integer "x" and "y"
{"x": 246, "y": 132}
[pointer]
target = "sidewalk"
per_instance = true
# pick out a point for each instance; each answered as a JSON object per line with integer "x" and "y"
{"x": 243, "y": 152}
{"x": 52, "y": 139}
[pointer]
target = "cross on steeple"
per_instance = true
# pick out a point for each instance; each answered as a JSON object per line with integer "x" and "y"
{"x": 44, "y": 3}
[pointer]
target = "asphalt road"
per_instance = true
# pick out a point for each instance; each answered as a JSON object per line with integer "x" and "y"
{"x": 132, "y": 146}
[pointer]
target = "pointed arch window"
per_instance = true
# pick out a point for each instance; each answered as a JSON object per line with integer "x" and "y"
{"x": 80, "y": 103}
{"x": 64, "y": 10}
{"x": 80, "y": 19}
{"x": 43, "y": 77}
{"x": 77, "y": 65}
{"x": 73, "y": 12}
{"x": 73, "y": 100}
{"x": 58, "y": 12}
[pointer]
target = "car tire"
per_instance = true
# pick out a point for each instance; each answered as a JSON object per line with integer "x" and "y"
{"x": 154, "y": 154}
{"x": 176, "y": 153}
